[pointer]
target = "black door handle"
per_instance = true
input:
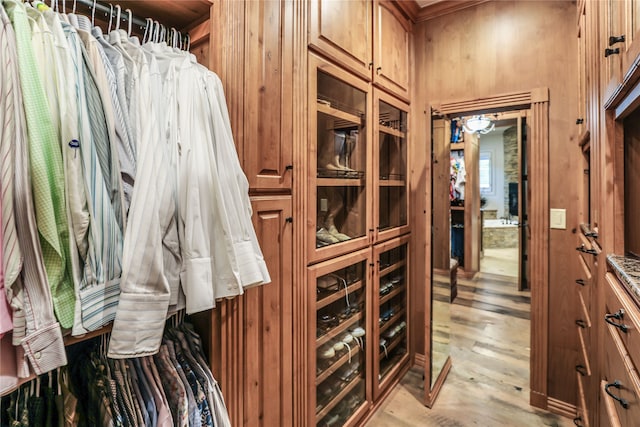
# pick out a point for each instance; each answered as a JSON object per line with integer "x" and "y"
{"x": 581, "y": 370}
{"x": 580, "y": 282}
{"x": 581, "y": 323}
{"x": 619, "y": 316}
{"x": 616, "y": 384}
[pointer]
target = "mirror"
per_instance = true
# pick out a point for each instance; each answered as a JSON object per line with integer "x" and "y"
{"x": 442, "y": 267}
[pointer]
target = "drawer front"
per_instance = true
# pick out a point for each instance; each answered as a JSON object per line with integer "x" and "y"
{"x": 623, "y": 316}
{"x": 620, "y": 386}
{"x": 584, "y": 355}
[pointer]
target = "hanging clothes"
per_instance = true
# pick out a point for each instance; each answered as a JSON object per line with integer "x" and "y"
{"x": 125, "y": 199}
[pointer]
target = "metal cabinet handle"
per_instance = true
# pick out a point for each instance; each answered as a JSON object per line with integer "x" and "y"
{"x": 613, "y": 39}
{"x": 616, "y": 384}
{"x": 619, "y": 316}
{"x": 580, "y": 282}
{"x": 581, "y": 369}
{"x": 608, "y": 51}
{"x": 578, "y": 421}
{"x": 582, "y": 248}
{"x": 378, "y": 70}
{"x": 581, "y": 323}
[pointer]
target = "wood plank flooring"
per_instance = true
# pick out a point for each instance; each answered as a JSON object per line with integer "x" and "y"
{"x": 489, "y": 382}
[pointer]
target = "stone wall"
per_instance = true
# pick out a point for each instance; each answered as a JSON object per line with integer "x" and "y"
{"x": 510, "y": 138}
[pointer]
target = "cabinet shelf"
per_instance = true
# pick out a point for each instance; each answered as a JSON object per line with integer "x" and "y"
{"x": 338, "y": 398}
{"x": 392, "y": 321}
{"x": 341, "y": 182}
{"x": 388, "y": 365}
{"x": 338, "y": 329}
{"x": 337, "y": 295}
{"x": 391, "y": 131}
{"x": 397, "y": 340}
{"x": 392, "y": 182}
{"x": 344, "y": 119}
{"x": 393, "y": 267}
{"x": 458, "y": 146}
{"x": 392, "y": 294}
{"x": 333, "y": 368}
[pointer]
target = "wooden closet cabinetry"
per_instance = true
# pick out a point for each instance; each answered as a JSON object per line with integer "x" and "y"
{"x": 268, "y": 99}
{"x": 370, "y": 38}
{"x": 586, "y": 363}
{"x": 619, "y": 41}
{"x": 620, "y": 380}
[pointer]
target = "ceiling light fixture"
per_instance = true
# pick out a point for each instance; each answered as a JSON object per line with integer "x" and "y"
{"x": 479, "y": 124}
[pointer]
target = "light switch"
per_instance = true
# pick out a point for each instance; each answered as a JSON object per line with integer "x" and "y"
{"x": 323, "y": 205}
{"x": 558, "y": 219}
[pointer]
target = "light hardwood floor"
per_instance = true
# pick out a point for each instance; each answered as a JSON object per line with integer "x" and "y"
{"x": 489, "y": 382}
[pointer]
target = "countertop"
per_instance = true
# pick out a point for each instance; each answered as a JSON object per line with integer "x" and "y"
{"x": 628, "y": 271}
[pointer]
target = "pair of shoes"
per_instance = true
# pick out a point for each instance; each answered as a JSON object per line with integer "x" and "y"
{"x": 328, "y": 283}
{"x": 324, "y": 236}
{"x": 384, "y": 317}
{"x": 357, "y": 334}
{"x": 386, "y": 288}
{"x": 347, "y": 374}
{"x": 383, "y": 344}
{"x": 338, "y": 235}
{"x": 391, "y": 334}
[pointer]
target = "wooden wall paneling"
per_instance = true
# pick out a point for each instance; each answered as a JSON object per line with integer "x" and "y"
{"x": 342, "y": 31}
{"x": 441, "y": 179}
{"x": 268, "y": 96}
{"x": 227, "y": 60}
{"x": 268, "y": 323}
{"x": 299, "y": 88}
{"x": 420, "y": 195}
{"x": 392, "y": 33}
{"x": 539, "y": 256}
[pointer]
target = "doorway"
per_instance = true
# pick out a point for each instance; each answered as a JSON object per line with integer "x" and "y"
{"x": 502, "y": 183}
{"x": 536, "y": 227}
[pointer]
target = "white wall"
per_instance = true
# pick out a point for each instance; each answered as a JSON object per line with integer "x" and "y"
{"x": 492, "y": 143}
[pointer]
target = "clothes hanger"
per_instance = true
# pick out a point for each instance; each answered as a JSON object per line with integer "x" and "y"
{"x": 188, "y": 42}
{"x": 156, "y": 32}
{"x": 118, "y": 11}
{"x": 110, "y": 17}
{"x": 148, "y": 23}
{"x": 130, "y": 18}
{"x": 93, "y": 12}
{"x": 163, "y": 33}
{"x": 73, "y": 10}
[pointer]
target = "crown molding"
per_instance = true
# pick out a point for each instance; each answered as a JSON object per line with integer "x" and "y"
{"x": 444, "y": 8}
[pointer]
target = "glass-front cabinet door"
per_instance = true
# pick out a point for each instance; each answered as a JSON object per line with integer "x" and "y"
{"x": 390, "y": 165}
{"x": 391, "y": 297}
{"x": 339, "y": 159}
{"x": 338, "y": 364}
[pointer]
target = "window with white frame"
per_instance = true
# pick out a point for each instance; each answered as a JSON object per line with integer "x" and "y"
{"x": 486, "y": 173}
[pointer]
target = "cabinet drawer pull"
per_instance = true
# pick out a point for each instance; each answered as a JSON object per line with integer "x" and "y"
{"x": 580, "y": 282}
{"x": 608, "y": 51}
{"x": 613, "y": 39}
{"x": 616, "y": 384}
{"x": 617, "y": 315}
{"x": 578, "y": 421}
{"x": 581, "y": 369}
{"x": 583, "y": 249}
{"x": 378, "y": 70}
{"x": 581, "y": 323}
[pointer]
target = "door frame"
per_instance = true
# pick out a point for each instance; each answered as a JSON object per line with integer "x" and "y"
{"x": 537, "y": 102}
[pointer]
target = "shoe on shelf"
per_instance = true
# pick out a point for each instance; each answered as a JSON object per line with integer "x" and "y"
{"x": 346, "y": 340}
{"x": 324, "y": 236}
{"x": 328, "y": 283}
{"x": 383, "y": 344}
{"x": 328, "y": 352}
{"x": 338, "y": 346}
{"x": 338, "y": 235}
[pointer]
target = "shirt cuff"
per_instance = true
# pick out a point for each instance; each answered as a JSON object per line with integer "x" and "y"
{"x": 45, "y": 349}
{"x": 139, "y": 324}
{"x": 253, "y": 270}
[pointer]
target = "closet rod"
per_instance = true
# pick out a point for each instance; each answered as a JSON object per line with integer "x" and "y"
{"x": 104, "y": 8}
